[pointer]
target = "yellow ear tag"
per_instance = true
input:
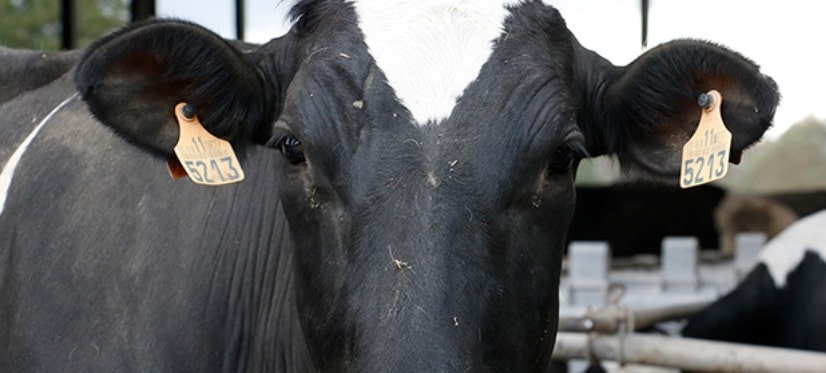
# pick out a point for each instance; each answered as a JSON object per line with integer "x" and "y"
{"x": 208, "y": 160}
{"x": 706, "y": 154}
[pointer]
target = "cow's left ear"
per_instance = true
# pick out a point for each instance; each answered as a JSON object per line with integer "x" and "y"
{"x": 133, "y": 79}
{"x": 646, "y": 111}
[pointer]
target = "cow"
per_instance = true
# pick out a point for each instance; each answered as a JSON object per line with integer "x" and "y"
{"x": 769, "y": 213}
{"x": 26, "y": 70}
{"x": 739, "y": 213}
{"x": 780, "y": 302}
{"x": 408, "y": 182}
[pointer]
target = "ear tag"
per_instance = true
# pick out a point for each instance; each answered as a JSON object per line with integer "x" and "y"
{"x": 706, "y": 154}
{"x": 208, "y": 160}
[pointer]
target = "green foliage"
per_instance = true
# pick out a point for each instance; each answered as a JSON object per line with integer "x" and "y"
{"x": 35, "y": 24}
{"x": 794, "y": 162}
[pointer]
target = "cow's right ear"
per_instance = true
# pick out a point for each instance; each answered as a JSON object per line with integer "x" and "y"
{"x": 646, "y": 111}
{"x": 133, "y": 79}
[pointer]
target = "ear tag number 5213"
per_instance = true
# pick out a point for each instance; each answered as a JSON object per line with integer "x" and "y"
{"x": 207, "y": 160}
{"x": 706, "y": 154}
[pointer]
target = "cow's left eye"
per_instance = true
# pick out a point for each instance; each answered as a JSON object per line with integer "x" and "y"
{"x": 564, "y": 158}
{"x": 292, "y": 148}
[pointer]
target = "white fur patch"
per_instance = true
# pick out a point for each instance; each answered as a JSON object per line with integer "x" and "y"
{"x": 11, "y": 165}
{"x": 431, "y": 50}
{"x": 786, "y": 250}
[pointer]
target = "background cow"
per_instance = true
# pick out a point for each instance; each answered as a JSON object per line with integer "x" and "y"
{"x": 423, "y": 154}
{"x": 781, "y": 301}
{"x": 26, "y": 70}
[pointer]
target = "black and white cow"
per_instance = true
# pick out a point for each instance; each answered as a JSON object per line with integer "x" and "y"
{"x": 782, "y": 300}
{"x": 25, "y": 70}
{"x": 409, "y": 182}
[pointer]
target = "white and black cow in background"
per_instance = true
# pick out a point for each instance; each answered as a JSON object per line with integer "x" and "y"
{"x": 409, "y": 182}
{"x": 782, "y": 301}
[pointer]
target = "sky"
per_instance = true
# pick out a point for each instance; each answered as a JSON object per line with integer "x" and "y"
{"x": 785, "y": 38}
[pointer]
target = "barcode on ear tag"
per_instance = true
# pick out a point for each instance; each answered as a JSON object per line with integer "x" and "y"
{"x": 706, "y": 154}
{"x": 207, "y": 160}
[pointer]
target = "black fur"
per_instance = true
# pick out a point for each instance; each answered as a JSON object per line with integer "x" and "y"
{"x": 757, "y": 312}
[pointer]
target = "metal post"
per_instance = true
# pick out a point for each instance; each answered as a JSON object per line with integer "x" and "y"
{"x": 644, "y": 4}
{"x": 142, "y": 9}
{"x": 239, "y": 19}
{"x": 68, "y": 33}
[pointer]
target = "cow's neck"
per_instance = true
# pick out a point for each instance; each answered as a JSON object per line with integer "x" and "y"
{"x": 253, "y": 271}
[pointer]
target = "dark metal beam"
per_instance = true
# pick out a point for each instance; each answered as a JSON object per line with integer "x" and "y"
{"x": 239, "y": 19}
{"x": 644, "y": 4}
{"x": 68, "y": 22}
{"x": 142, "y": 9}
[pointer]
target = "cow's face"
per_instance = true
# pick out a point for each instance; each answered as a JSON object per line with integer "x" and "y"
{"x": 431, "y": 241}
{"x": 429, "y": 157}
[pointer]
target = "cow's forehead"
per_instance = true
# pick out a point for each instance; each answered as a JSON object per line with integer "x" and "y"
{"x": 430, "y": 50}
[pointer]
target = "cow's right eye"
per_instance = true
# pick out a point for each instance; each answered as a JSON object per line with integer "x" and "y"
{"x": 292, "y": 148}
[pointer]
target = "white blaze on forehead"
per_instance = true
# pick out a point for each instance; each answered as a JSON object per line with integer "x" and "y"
{"x": 430, "y": 50}
{"x": 8, "y": 170}
{"x": 785, "y": 251}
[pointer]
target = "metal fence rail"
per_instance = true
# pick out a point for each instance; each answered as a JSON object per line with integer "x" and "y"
{"x": 685, "y": 353}
{"x": 602, "y": 308}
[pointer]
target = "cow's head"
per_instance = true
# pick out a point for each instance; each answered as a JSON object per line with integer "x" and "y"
{"x": 429, "y": 171}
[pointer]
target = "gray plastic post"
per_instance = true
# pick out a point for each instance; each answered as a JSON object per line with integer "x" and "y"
{"x": 747, "y": 248}
{"x": 588, "y": 263}
{"x": 679, "y": 264}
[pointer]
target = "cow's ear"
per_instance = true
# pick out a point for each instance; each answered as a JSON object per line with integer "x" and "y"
{"x": 133, "y": 79}
{"x": 646, "y": 111}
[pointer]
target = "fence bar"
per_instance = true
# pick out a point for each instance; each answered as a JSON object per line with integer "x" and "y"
{"x": 240, "y": 19}
{"x": 686, "y": 353}
{"x": 648, "y": 317}
{"x": 609, "y": 319}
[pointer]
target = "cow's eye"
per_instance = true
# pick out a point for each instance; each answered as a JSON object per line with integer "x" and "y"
{"x": 562, "y": 160}
{"x": 565, "y": 157}
{"x": 292, "y": 148}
